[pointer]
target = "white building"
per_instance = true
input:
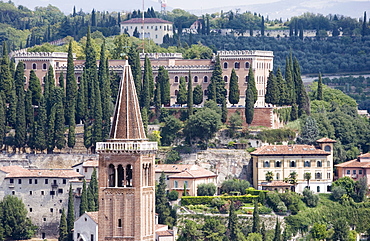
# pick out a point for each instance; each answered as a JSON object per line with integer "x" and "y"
{"x": 86, "y": 168}
{"x": 86, "y": 227}
{"x": 43, "y": 192}
{"x": 152, "y": 28}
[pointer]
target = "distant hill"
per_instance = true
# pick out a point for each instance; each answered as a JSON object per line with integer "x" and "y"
{"x": 285, "y": 9}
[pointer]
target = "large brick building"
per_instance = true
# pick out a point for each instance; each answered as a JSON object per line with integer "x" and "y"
{"x": 126, "y": 172}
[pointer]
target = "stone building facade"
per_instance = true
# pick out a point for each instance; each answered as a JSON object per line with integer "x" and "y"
{"x": 126, "y": 172}
{"x": 44, "y": 193}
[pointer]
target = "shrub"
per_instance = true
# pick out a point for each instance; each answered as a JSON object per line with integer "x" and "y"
{"x": 208, "y": 200}
{"x": 234, "y": 185}
{"x": 310, "y": 198}
{"x": 264, "y": 210}
{"x": 173, "y": 195}
{"x": 208, "y": 189}
{"x": 337, "y": 192}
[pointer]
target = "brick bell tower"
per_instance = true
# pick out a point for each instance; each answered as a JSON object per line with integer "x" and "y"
{"x": 126, "y": 172}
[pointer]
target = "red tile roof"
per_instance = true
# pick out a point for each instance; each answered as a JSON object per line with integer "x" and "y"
{"x": 164, "y": 233}
{"x": 90, "y": 163}
{"x": 194, "y": 174}
{"x": 354, "y": 163}
{"x": 272, "y": 150}
{"x": 94, "y": 216}
{"x": 146, "y": 20}
{"x": 323, "y": 140}
{"x": 366, "y": 155}
{"x": 276, "y": 184}
{"x": 17, "y": 171}
{"x": 172, "y": 168}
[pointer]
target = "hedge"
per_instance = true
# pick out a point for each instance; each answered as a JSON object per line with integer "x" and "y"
{"x": 190, "y": 200}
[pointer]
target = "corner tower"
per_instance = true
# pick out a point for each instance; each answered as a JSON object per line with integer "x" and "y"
{"x": 126, "y": 172}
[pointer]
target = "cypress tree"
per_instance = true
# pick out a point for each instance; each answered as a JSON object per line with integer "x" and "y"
{"x": 319, "y": 89}
{"x": 294, "y": 112}
{"x": 98, "y": 116}
{"x": 198, "y": 95}
{"x": 95, "y": 189}
{"x": 181, "y": 96}
{"x": 12, "y": 109}
{"x": 223, "y": 111}
{"x": 6, "y": 76}
{"x": 233, "y": 88}
{"x": 157, "y": 99}
{"x": 70, "y": 214}
{"x": 105, "y": 91}
{"x": 90, "y": 199}
{"x": 252, "y": 85}
{"x": 144, "y": 117}
{"x": 35, "y": 88}
{"x": 233, "y": 223}
{"x": 29, "y": 109}
{"x": 216, "y": 89}
{"x": 61, "y": 79}
{"x": 303, "y": 101}
{"x": 289, "y": 83}
{"x": 87, "y": 135}
{"x": 63, "y": 233}
{"x": 90, "y": 75}
{"x": 145, "y": 93}
{"x": 364, "y": 26}
{"x": 40, "y": 127}
{"x": 134, "y": 61}
{"x": 71, "y": 141}
{"x": 161, "y": 206}
{"x": 50, "y": 134}
{"x": 20, "y": 123}
{"x": 272, "y": 92}
{"x": 263, "y": 26}
{"x": 280, "y": 82}
{"x": 84, "y": 200}
{"x": 277, "y": 236}
{"x": 249, "y": 105}
{"x": 81, "y": 101}
{"x": 2, "y": 121}
{"x": 256, "y": 228}
{"x": 164, "y": 79}
{"x": 71, "y": 89}
{"x": 49, "y": 89}
{"x": 190, "y": 95}
{"x": 263, "y": 231}
{"x": 59, "y": 119}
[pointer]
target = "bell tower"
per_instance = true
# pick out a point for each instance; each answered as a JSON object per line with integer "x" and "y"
{"x": 126, "y": 172}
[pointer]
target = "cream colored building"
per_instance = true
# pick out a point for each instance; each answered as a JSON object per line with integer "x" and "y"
{"x": 86, "y": 227}
{"x": 282, "y": 160}
{"x": 152, "y": 28}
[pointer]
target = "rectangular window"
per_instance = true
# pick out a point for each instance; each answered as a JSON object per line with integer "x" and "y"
{"x": 354, "y": 171}
{"x": 30, "y": 210}
{"x": 46, "y": 181}
{"x": 60, "y": 190}
{"x": 19, "y": 181}
{"x": 359, "y": 171}
{"x": 42, "y": 193}
{"x": 92, "y": 237}
{"x": 85, "y": 169}
{"x": 30, "y": 192}
{"x": 119, "y": 223}
{"x": 51, "y": 210}
{"x": 35, "y": 181}
{"x": 328, "y": 175}
{"x": 348, "y": 172}
{"x": 77, "y": 170}
{"x": 44, "y": 219}
{"x": 186, "y": 184}
{"x": 30, "y": 181}
{"x": 64, "y": 181}
{"x": 175, "y": 184}
{"x": 11, "y": 180}
{"x": 52, "y": 193}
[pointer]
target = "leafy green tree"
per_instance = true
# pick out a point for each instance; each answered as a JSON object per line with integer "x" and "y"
{"x": 164, "y": 81}
{"x": 84, "y": 201}
{"x": 161, "y": 202}
{"x": 216, "y": 89}
{"x": 254, "y": 237}
{"x": 61, "y": 80}
{"x": 15, "y": 222}
{"x": 63, "y": 233}
{"x": 172, "y": 157}
{"x": 182, "y": 94}
{"x": 294, "y": 112}
{"x": 71, "y": 141}
{"x": 198, "y": 95}
{"x": 206, "y": 189}
{"x": 173, "y": 195}
{"x": 20, "y": 124}
{"x": 170, "y": 130}
{"x": 190, "y": 95}
{"x": 70, "y": 214}
{"x": 233, "y": 88}
{"x": 310, "y": 198}
{"x": 213, "y": 229}
{"x": 249, "y": 106}
{"x": 191, "y": 231}
{"x": 97, "y": 116}
{"x": 307, "y": 177}
{"x": 235, "y": 185}
{"x": 71, "y": 89}
{"x": 35, "y": 87}
{"x": 157, "y": 99}
{"x": 81, "y": 101}
{"x": 232, "y": 228}
{"x": 49, "y": 89}
{"x": 341, "y": 229}
{"x": 50, "y": 134}
{"x": 283, "y": 89}
{"x": 203, "y": 125}
{"x": 319, "y": 231}
{"x": 235, "y": 122}
{"x": 223, "y": 111}
{"x": 256, "y": 228}
{"x": 319, "y": 89}
{"x": 87, "y": 135}
{"x": 302, "y": 101}
{"x": 310, "y": 132}
{"x": 12, "y": 109}
{"x": 289, "y": 82}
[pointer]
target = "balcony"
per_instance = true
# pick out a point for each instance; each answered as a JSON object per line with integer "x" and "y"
{"x": 123, "y": 147}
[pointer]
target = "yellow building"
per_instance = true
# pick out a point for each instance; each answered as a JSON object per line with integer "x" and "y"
{"x": 282, "y": 160}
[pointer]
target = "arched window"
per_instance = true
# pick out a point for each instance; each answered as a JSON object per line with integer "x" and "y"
{"x": 277, "y": 163}
{"x": 111, "y": 176}
{"x": 317, "y": 175}
{"x": 327, "y": 148}
{"x": 237, "y": 65}
{"x": 186, "y": 78}
{"x": 176, "y": 92}
{"x": 129, "y": 175}
{"x": 34, "y": 66}
{"x": 120, "y": 173}
{"x": 225, "y": 65}
{"x": 247, "y": 65}
{"x": 176, "y": 79}
{"x": 307, "y": 164}
{"x": 319, "y": 164}
{"x": 225, "y": 78}
{"x": 246, "y": 79}
{"x": 277, "y": 176}
{"x": 44, "y": 66}
{"x": 318, "y": 188}
{"x": 205, "y": 92}
{"x": 266, "y": 164}
{"x": 205, "y": 79}
{"x": 292, "y": 164}
{"x": 195, "y": 79}
{"x": 78, "y": 79}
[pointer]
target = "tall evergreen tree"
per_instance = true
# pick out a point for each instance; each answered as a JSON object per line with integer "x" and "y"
{"x": 134, "y": 61}
{"x": 233, "y": 88}
{"x": 81, "y": 101}
{"x": 70, "y": 214}
{"x": 94, "y": 191}
{"x": 6, "y": 78}
{"x": 71, "y": 141}
{"x": 49, "y": 88}
{"x": 272, "y": 91}
{"x": 61, "y": 80}
{"x": 145, "y": 92}
{"x": 283, "y": 96}
{"x": 98, "y": 116}
{"x": 59, "y": 119}
{"x": 198, "y": 95}
{"x": 319, "y": 89}
{"x": 364, "y": 26}
{"x": 161, "y": 202}
{"x": 277, "y": 236}
{"x": 84, "y": 200}
{"x": 157, "y": 99}
{"x": 263, "y": 26}
{"x": 63, "y": 233}
{"x": 294, "y": 112}
{"x": 71, "y": 89}
{"x": 256, "y": 228}
{"x": 216, "y": 89}
{"x": 50, "y": 134}
{"x": 303, "y": 101}
{"x": 249, "y": 105}
{"x": 190, "y": 95}
{"x": 164, "y": 79}
{"x": 252, "y": 85}
{"x": 233, "y": 223}
{"x": 12, "y": 109}
{"x": 29, "y": 113}
{"x": 20, "y": 123}
{"x": 289, "y": 83}
{"x": 2, "y": 121}
{"x": 263, "y": 231}
{"x": 40, "y": 127}
{"x": 35, "y": 87}
{"x": 181, "y": 95}
{"x": 223, "y": 111}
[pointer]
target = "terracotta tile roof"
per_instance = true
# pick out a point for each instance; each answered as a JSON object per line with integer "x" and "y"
{"x": 94, "y": 216}
{"x": 194, "y": 174}
{"x": 354, "y": 163}
{"x": 326, "y": 140}
{"x": 90, "y": 163}
{"x": 366, "y": 155}
{"x": 164, "y": 233}
{"x": 175, "y": 168}
{"x": 146, "y": 20}
{"x": 276, "y": 184}
{"x": 272, "y": 150}
{"x": 17, "y": 171}
{"x": 160, "y": 227}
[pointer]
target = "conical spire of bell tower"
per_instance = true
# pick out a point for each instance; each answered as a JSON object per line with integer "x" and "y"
{"x": 127, "y": 123}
